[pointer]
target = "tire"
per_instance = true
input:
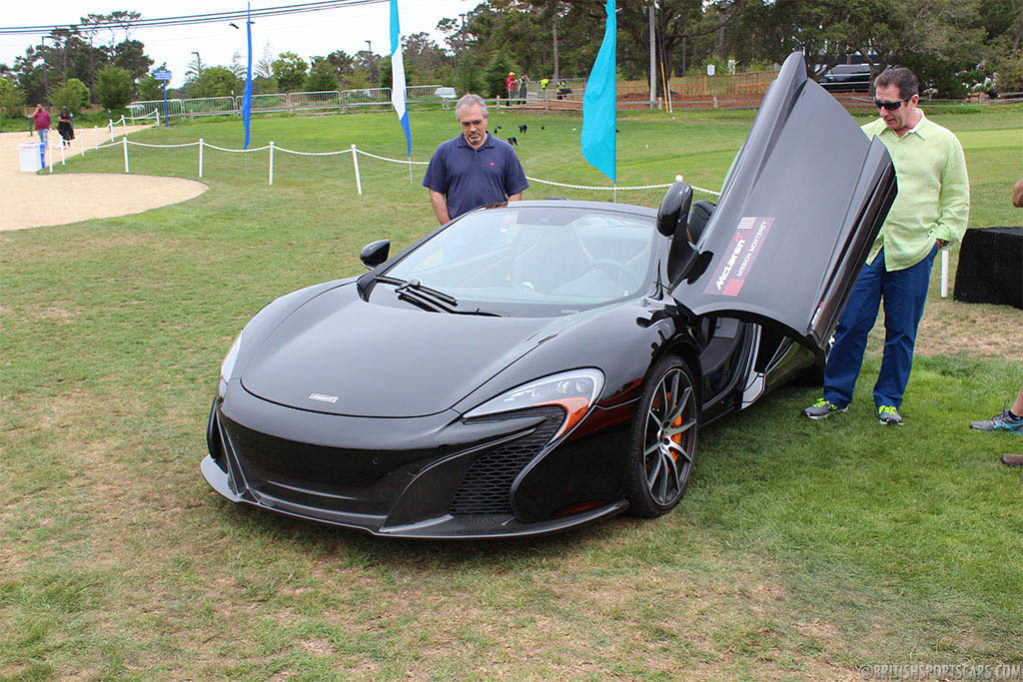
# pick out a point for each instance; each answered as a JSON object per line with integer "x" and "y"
{"x": 664, "y": 434}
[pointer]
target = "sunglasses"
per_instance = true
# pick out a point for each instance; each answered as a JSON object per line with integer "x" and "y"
{"x": 890, "y": 106}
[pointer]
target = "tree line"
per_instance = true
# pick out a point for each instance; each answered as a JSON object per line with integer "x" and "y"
{"x": 953, "y": 45}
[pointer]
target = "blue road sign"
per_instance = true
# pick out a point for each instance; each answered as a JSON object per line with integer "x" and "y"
{"x": 162, "y": 75}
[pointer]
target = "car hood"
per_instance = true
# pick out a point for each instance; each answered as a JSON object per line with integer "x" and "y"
{"x": 339, "y": 354}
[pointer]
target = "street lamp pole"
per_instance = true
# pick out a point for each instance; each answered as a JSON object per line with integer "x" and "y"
{"x": 46, "y": 79}
{"x": 372, "y": 70}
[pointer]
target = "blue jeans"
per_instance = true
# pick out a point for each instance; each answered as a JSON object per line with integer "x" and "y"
{"x": 903, "y": 293}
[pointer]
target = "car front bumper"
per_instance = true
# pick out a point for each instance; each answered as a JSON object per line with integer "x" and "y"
{"x": 429, "y": 477}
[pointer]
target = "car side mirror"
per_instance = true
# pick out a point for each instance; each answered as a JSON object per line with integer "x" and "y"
{"x": 375, "y": 253}
{"x": 674, "y": 210}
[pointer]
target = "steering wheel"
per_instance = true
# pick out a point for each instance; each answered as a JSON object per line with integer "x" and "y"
{"x": 616, "y": 271}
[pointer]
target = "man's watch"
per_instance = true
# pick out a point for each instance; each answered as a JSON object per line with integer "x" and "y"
{"x": 942, "y": 243}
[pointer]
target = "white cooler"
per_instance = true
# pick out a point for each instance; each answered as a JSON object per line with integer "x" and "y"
{"x": 28, "y": 156}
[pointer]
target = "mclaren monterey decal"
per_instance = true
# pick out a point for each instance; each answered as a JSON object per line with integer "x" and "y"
{"x": 323, "y": 398}
{"x": 735, "y": 267}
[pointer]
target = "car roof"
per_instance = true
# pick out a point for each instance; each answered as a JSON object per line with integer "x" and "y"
{"x": 850, "y": 68}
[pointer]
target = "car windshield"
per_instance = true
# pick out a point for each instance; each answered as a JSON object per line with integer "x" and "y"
{"x": 535, "y": 260}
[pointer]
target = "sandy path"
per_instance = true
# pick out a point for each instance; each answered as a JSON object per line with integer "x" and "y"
{"x": 37, "y": 200}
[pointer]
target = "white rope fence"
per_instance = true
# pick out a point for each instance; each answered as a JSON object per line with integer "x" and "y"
{"x": 355, "y": 151}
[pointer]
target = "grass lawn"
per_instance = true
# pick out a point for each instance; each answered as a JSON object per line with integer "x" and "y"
{"x": 802, "y": 550}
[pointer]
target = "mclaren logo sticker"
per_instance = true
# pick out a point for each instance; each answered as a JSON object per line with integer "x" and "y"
{"x": 323, "y": 398}
{"x": 736, "y": 265}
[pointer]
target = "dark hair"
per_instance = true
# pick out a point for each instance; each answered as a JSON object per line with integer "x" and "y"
{"x": 900, "y": 76}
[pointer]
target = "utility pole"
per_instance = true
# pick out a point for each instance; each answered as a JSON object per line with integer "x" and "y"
{"x": 462, "y": 32}
{"x": 46, "y": 80}
{"x": 372, "y": 62}
{"x": 653, "y": 66}
{"x": 557, "y": 75}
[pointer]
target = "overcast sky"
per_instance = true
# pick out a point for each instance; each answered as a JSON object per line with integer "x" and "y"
{"x": 312, "y": 33}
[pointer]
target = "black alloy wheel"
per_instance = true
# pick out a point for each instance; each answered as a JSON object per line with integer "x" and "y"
{"x": 664, "y": 434}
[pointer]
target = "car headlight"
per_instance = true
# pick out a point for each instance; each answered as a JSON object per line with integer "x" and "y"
{"x": 573, "y": 391}
{"x": 227, "y": 366}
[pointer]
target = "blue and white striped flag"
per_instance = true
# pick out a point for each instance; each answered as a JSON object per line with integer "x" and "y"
{"x": 398, "y": 77}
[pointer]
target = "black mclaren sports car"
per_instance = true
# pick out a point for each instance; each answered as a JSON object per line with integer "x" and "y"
{"x": 538, "y": 365}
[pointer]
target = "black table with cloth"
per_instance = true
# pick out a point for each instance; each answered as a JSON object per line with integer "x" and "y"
{"x": 991, "y": 267}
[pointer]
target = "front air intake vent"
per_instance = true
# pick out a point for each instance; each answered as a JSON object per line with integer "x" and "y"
{"x": 486, "y": 486}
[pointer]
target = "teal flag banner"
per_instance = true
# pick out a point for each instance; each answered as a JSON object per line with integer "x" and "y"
{"x": 599, "y": 117}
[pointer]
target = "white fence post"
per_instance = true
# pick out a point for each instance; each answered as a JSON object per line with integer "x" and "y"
{"x": 355, "y": 160}
{"x": 271, "y": 163}
{"x": 944, "y": 273}
{"x": 110, "y": 127}
{"x": 95, "y": 136}
{"x": 49, "y": 151}
{"x": 157, "y": 118}
{"x": 200, "y": 157}
{"x": 62, "y": 160}
{"x": 126, "y": 168}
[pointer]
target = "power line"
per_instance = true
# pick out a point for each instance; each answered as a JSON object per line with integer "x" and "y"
{"x": 191, "y": 19}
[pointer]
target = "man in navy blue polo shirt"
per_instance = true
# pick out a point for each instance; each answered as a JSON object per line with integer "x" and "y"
{"x": 474, "y": 169}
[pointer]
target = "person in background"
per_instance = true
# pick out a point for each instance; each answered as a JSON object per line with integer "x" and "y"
{"x": 930, "y": 211}
{"x": 474, "y": 168}
{"x": 41, "y": 121}
{"x": 510, "y": 85}
{"x": 65, "y": 127}
{"x": 523, "y": 85}
{"x": 1010, "y": 420}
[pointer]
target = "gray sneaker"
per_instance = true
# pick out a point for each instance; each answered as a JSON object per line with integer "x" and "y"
{"x": 822, "y": 409}
{"x": 889, "y": 416}
{"x": 1003, "y": 421}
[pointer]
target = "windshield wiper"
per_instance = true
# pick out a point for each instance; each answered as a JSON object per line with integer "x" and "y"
{"x": 403, "y": 286}
{"x": 427, "y": 298}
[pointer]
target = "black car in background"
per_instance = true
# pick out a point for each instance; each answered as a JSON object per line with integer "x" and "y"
{"x": 538, "y": 365}
{"x": 847, "y": 78}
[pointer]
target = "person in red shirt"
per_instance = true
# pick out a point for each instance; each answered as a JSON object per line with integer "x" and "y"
{"x": 511, "y": 85}
{"x": 41, "y": 121}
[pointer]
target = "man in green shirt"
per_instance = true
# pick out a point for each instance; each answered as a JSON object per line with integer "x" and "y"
{"x": 930, "y": 211}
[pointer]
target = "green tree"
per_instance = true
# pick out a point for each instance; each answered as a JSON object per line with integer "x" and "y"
{"x": 73, "y": 94}
{"x": 496, "y": 74}
{"x": 215, "y": 81}
{"x": 131, "y": 56}
{"x": 11, "y": 100}
{"x": 469, "y": 77}
{"x": 424, "y": 60}
{"x": 149, "y": 89}
{"x": 114, "y": 86}
{"x": 322, "y": 76}
{"x": 290, "y": 71}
